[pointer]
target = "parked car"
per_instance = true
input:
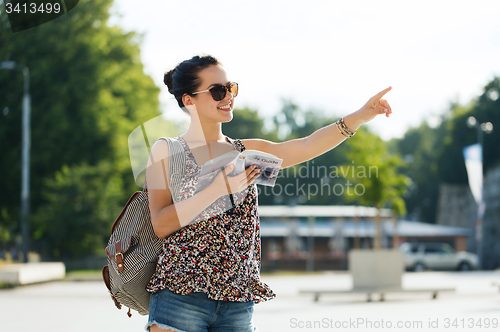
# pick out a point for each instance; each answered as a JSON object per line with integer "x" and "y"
{"x": 436, "y": 256}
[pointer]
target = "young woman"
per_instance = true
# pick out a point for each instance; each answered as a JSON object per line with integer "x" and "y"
{"x": 208, "y": 276}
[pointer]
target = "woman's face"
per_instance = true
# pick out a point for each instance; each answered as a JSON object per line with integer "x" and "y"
{"x": 207, "y": 107}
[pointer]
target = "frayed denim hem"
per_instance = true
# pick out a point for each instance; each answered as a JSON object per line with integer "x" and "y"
{"x": 161, "y": 326}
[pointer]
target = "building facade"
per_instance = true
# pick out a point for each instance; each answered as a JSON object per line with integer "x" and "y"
{"x": 308, "y": 238}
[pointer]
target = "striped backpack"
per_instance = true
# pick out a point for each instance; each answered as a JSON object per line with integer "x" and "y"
{"x": 133, "y": 248}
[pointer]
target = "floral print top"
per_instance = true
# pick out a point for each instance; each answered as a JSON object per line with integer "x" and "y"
{"x": 219, "y": 253}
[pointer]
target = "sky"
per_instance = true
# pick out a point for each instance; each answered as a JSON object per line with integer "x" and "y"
{"x": 330, "y": 56}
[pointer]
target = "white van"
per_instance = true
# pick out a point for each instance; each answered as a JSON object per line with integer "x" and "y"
{"x": 419, "y": 256}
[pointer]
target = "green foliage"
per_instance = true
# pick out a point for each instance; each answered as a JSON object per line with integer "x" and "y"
{"x": 5, "y": 285}
{"x": 419, "y": 147}
{"x": 4, "y": 236}
{"x": 82, "y": 203}
{"x": 246, "y": 123}
{"x": 458, "y": 135}
{"x": 449, "y": 153}
{"x": 309, "y": 182}
{"x": 88, "y": 92}
{"x": 377, "y": 172}
{"x": 142, "y": 138}
{"x": 317, "y": 178}
{"x": 435, "y": 155}
{"x": 487, "y": 109}
{"x": 289, "y": 120}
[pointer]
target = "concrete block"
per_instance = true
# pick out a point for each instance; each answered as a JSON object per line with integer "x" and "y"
{"x": 376, "y": 268}
{"x": 30, "y": 273}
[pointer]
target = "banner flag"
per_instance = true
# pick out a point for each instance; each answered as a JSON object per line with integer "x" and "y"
{"x": 473, "y": 155}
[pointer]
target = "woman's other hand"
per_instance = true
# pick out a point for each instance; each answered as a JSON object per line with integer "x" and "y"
{"x": 224, "y": 184}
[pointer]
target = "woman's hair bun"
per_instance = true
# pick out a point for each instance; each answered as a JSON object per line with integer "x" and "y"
{"x": 167, "y": 79}
{"x": 186, "y": 76}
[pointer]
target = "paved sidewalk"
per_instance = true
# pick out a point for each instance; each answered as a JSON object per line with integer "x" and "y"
{"x": 475, "y": 300}
{"x": 86, "y": 306}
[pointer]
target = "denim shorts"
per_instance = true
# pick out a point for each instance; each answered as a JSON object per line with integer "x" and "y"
{"x": 195, "y": 312}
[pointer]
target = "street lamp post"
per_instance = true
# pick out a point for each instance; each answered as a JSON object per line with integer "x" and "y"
{"x": 25, "y": 153}
{"x": 486, "y": 127}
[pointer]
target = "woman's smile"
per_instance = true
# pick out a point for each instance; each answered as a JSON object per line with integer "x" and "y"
{"x": 225, "y": 107}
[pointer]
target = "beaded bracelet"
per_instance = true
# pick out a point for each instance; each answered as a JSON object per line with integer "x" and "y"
{"x": 343, "y": 128}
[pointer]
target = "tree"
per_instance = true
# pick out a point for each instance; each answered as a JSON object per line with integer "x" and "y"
{"x": 434, "y": 154}
{"x": 289, "y": 120}
{"x": 246, "y": 123}
{"x": 82, "y": 203}
{"x": 419, "y": 148}
{"x": 484, "y": 108}
{"x": 88, "y": 92}
{"x": 310, "y": 182}
{"x": 377, "y": 177}
{"x": 487, "y": 109}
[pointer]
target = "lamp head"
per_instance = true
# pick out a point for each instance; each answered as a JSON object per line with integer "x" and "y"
{"x": 471, "y": 122}
{"x": 487, "y": 127}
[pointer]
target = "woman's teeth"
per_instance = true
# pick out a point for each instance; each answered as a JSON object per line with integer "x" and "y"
{"x": 224, "y": 107}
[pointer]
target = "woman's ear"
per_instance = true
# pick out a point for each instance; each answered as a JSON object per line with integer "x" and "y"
{"x": 187, "y": 100}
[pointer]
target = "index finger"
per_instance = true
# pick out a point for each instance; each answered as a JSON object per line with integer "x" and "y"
{"x": 382, "y": 93}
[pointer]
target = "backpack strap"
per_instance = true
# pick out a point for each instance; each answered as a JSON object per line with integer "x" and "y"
{"x": 177, "y": 166}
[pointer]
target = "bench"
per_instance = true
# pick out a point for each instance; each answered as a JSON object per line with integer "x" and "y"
{"x": 376, "y": 271}
{"x": 30, "y": 273}
{"x": 376, "y": 290}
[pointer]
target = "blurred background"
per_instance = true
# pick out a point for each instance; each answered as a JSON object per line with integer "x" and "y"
{"x": 95, "y": 75}
{"x": 72, "y": 90}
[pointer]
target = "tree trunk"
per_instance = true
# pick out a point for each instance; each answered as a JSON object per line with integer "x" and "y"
{"x": 377, "y": 236}
{"x": 357, "y": 242}
{"x": 395, "y": 233}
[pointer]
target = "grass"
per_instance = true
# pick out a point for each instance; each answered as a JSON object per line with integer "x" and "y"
{"x": 83, "y": 272}
{"x": 83, "y": 275}
{"x": 4, "y": 285}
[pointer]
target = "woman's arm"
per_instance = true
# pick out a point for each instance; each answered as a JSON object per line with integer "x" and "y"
{"x": 299, "y": 150}
{"x": 168, "y": 217}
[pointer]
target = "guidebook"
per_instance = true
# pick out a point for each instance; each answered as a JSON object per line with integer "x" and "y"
{"x": 269, "y": 167}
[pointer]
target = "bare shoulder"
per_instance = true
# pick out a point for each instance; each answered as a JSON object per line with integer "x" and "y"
{"x": 158, "y": 164}
{"x": 159, "y": 151}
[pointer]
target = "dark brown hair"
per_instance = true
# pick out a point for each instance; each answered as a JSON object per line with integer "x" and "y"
{"x": 184, "y": 77}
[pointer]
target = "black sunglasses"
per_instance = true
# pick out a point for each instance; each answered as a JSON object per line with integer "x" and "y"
{"x": 219, "y": 91}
